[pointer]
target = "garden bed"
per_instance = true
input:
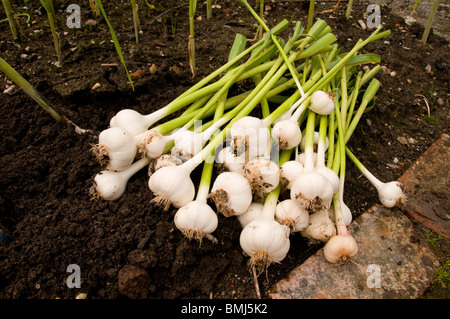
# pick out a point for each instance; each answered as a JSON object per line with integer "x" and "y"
{"x": 47, "y": 169}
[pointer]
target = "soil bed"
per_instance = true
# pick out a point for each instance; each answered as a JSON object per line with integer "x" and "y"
{"x": 47, "y": 169}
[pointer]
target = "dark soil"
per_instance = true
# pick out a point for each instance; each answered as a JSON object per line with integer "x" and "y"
{"x": 47, "y": 169}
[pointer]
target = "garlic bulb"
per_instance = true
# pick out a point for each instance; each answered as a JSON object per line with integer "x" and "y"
{"x": 292, "y": 214}
{"x": 313, "y": 190}
{"x": 135, "y": 122}
{"x": 346, "y": 213}
{"x": 322, "y": 103}
{"x": 320, "y": 227}
{"x": 188, "y": 143}
{"x": 330, "y": 175}
{"x": 316, "y": 142}
{"x": 232, "y": 162}
{"x": 287, "y": 133}
{"x": 265, "y": 241}
{"x": 152, "y": 143}
{"x": 249, "y": 134}
{"x": 231, "y": 193}
{"x": 172, "y": 185}
{"x": 263, "y": 175}
{"x": 163, "y": 160}
{"x": 289, "y": 172}
{"x": 390, "y": 194}
{"x": 340, "y": 247}
{"x": 301, "y": 158}
{"x": 254, "y": 211}
{"x": 116, "y": 148}
{"x": 110, "y": 185}
{"x": 196, "y": 220}
{"x": 285, "y": 116}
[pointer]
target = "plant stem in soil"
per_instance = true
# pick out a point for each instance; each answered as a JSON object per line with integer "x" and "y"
{"x": 11, "y": 19}
{"x": 27, "y": 87}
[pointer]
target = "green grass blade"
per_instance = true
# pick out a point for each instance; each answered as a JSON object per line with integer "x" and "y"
{"x": 115, "y": 40}
{"x": 11, "y": 19}
{"x": 27, "y": 87}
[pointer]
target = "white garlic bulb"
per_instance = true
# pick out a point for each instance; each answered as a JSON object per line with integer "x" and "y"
{"x": 172, "y": 185}
{"x": 301, "y": 158}
{"x": 390, "y": 194}
{"x": 289, "y": 172}
{"x": 330, "y": 175}
{"x": 249, "y": 134}
{"x": 320, "y": 227}
{"x": 265, "y": 241}
{"x": 152, "y": 143}
{"x": 346, "y": 213}
{"x": 231, "y": 193}
{"x": 263, "y": 175}
{"x": 254, "y": 211}
{"x": 316, "y": 142}
{"x": 111, "y": 185}
{"x": 292, "y": 214}
{"x": 312, "y": 190}
{"x": 196, "y": 220}
{"x": 116, "y": 148}
{"x": 322, "y": 103}
{"x": 340, "y": 248}
{"x": 287, "y": 133}
{"x": 231, "y": 161}
{"x": 163, "y": 160}
{"x": 187, "y": 144}
{"x": 135, "y": 122}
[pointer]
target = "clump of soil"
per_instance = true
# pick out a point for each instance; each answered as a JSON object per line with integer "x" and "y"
{"x": 47, "y": 168}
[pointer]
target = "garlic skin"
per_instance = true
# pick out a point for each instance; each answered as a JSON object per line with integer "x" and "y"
{"x": 254, "y": 211}
{"x": 289, "y": 172}
{"x": 249, "y": 134}
{"x": 111, "y": 185}
{"x": 292, "y": 214}
{"x": 265, "y": 241}
{"x": 287, "y": 133}
{"x": 152, "y": 143}
{"x": 322, "y": 103}
{"x": 196, "y": 220}
{"x": 320, "y": 227}
{"x": 116, "y": 148}
{"x": 340, "y": 248}
{"x": 263, "y": 175}
{"x": 391, "y": 194}
{"x": 171, "y": 185}
{"x": 231, "y": 193}
{"x": 313, "y": 190}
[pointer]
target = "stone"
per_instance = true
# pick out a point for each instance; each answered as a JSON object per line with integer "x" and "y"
{"x": 394, "y": 261}
{"x": 427, "y": 187}
{"x": 133, "y": 282}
